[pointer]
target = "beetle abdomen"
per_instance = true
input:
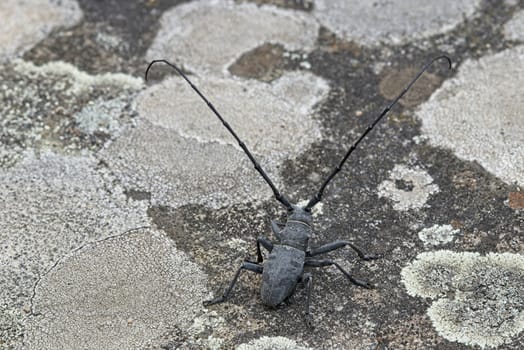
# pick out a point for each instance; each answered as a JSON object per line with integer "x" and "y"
{"x": 282, "y": 271}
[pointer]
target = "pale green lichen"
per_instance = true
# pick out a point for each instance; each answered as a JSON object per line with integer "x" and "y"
{"x": 479, "y": 298}
{"x": 80, "y": 80}
{"x": 438, "y": 234}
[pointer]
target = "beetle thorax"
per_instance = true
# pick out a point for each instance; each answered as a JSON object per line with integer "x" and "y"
{"x": 297, "y": 231}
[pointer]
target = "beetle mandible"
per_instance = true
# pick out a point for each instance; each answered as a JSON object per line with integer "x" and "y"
{"x": 284, "y": 268}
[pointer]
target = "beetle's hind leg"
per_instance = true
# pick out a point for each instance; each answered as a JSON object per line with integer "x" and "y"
{"x": 245, "y": 266}
{"x": 327, "y": 262}
{"x": 340, "y": 244}
{"x": 307, "y": 280}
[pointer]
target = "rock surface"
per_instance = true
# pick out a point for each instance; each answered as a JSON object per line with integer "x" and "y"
{"x": 125, "y": 203}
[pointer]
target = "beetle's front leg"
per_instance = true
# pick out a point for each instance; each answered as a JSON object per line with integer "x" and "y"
{"x": 266, "y": 243}
{"x": 276, "y": 228}
{"x": 340, "y": 244}
{"x": 327, "y": 262}
{"x": 245, "y": 266}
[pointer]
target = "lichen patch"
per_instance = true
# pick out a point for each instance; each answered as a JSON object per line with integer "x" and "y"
{"x": 209, "y": 35}
{"x": 477, "y": 299}
{"x": 438, "y": 234}
{"x": 478, "y": 114}
{"x": 122, "y": 292}
{"x": 25, "y": 23}
{"x": 408, "y": 188}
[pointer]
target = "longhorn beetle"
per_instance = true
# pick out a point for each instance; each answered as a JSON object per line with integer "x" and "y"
{"x": 284, "y": 267}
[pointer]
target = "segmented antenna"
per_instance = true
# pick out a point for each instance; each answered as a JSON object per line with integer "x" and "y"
{"x": 280, "y": 197}
{"x": 317, "y": 198}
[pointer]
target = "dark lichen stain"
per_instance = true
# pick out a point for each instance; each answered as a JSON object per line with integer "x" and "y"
{"x": 303, "y": 5}
{"x": 112, "y": 37}
{"x": 394, "y": 81}
{"x": 516, "y": 200}
{"x": 138, "y": 195}
{"x": 404, "y": 185}
{"x": 264, "y": 63}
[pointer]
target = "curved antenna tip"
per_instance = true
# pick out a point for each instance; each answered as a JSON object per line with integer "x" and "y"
{"x": 147, "y": 69}
{"x": 444, "y": 57}
{"x": 151, "y": 65}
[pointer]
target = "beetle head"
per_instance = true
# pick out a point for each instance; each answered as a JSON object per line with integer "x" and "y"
{"x": 298, "y": 213}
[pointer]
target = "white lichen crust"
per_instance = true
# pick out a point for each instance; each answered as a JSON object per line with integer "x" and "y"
{"x": 25, "y": 23}
{"x": 438, "y": 234}
{"x": 181, "y": 153}
{"x": 209, "y": 35}
{"x": 514, "y": 28}
{"x": 124, "y": 292}
{"x": 274, "y": 120}
{"x": 478, "y": 114}
{"x": 478, "y": 298}
{"x": 373, "y": 22}
{"x": 419, "y": 187}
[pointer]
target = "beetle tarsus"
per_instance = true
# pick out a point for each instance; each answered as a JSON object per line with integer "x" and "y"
{"x": 340, "y": 244}
{"x": 245, "y": 266}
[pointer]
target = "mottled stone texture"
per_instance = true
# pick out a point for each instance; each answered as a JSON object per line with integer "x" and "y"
{"x": 375, "y": 22}
{"x": 124, "y": 204}
{"x": 24, "y": 23}
{"x": 478, "y": 114}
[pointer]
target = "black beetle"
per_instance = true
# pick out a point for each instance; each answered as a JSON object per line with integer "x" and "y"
{"x": 284, "y": 268}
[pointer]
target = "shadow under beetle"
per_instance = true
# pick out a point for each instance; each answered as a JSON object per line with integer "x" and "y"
{"x": 284, "y": 268}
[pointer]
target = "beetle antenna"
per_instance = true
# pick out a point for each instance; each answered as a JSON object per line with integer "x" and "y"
{"x": 318, "y": 197}
{"x": 279, "y": 196}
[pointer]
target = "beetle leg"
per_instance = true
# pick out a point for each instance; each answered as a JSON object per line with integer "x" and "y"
{"x": 327, "y": 262}
{"x": 276, "y": 229}
{"x": 266, "y": 243}
{"x": 307, "y": 280}
{"x": 339, "y": 244}
{"x": 245, "y": 266}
